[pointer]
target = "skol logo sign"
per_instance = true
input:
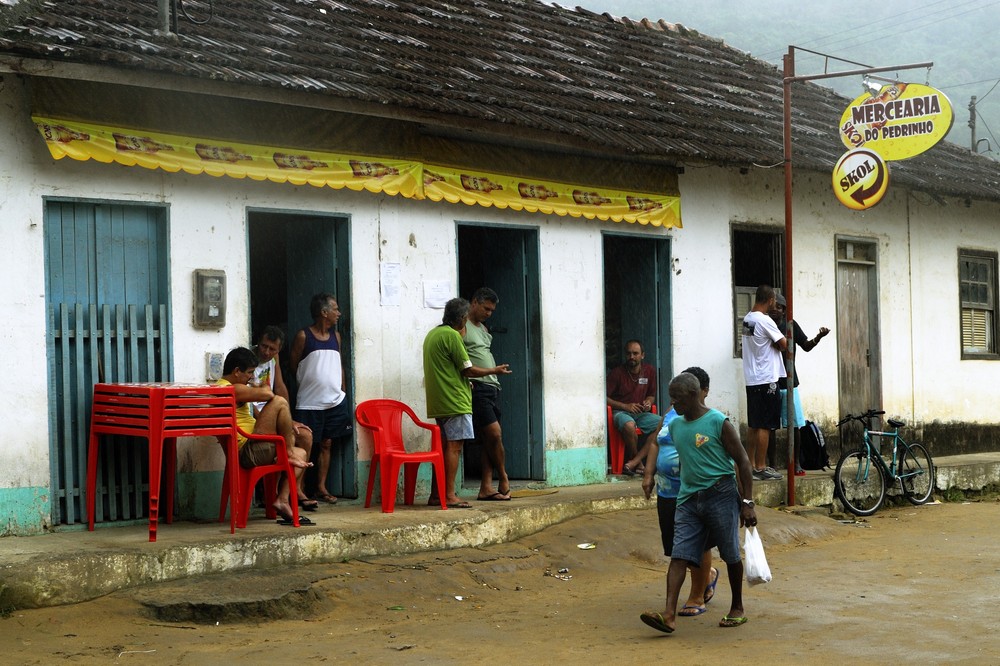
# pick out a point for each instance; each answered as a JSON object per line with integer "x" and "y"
{"x": 860, "y": 179}
{"x": 901, "y": 121}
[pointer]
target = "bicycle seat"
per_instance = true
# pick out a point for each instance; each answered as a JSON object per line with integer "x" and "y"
{"x": 896, "y": 423}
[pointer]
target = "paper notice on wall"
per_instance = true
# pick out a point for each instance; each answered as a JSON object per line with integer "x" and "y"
{"x": 389, "y": 280}
{"x": 437, "y": 293}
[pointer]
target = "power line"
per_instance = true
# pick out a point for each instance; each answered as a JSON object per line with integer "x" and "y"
{"x": 970, "y": 83}
{"x": 991, "y": 90}
{"x": 856, "y": 36}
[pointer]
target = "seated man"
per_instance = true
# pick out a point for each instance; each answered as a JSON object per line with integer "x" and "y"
{"x": 268, "y": 373}
{"x": 631, "y": 394}
{"x": 274, "y": 418}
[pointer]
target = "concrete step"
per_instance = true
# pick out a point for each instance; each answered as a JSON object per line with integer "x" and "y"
{"x": 72, "y": 565}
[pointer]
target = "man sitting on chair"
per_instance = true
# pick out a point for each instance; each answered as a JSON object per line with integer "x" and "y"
{"x": 274, "y": 418}
{"x": 631, "y": 394}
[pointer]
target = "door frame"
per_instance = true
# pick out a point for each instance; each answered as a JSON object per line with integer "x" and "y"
{"x": 297, "y": 316}
{"x": 533, "y": 352}
{"x": 874, "y": 328}
{"x": 660, "y": 355}
{"x": 95, "y": 342}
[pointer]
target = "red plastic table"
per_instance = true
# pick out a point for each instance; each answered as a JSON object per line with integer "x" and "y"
{"x": 161, "y": 412}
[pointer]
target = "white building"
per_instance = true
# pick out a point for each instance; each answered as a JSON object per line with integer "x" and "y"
{"x": 893, "y": 283}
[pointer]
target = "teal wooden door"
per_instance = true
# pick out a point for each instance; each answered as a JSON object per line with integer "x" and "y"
{"x": 107, "y": 294}
{"x": 637, "y": 303}
{"x": 506, "y": 260}
{"x": 292, "y": 257}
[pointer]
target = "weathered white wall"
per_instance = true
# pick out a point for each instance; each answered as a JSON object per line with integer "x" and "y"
{"x": 207, "y": 220}
{"x": 24, "y": 447}
{"x": 918, "y": 241}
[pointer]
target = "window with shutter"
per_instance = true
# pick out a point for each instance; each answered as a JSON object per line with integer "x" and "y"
{"x": 977, "y": 294}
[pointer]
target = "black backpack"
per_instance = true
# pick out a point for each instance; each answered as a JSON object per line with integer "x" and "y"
{"x": 812, "y": 448}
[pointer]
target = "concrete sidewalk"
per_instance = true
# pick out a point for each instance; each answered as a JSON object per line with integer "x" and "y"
{"x": 73, "y": 565}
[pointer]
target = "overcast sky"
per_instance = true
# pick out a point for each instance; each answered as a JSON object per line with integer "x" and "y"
{"x": 958, "y": 36}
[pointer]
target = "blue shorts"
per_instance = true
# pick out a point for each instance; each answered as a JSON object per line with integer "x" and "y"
{"x": 799, "y": 419}
{"x": 666, "y": 509}
{"x": 709, "y": 516}
{"x": 647, "y": 422}
{"x": 456, "y": 428}
{"x": 332, "y": 424}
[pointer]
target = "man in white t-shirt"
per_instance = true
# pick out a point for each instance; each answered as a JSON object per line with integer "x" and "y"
{"x": 763, "y": 365}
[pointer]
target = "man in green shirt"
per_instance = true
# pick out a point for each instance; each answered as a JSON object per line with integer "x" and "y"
{"x": 447, "y": 370}
{"x": 486, "y": 397}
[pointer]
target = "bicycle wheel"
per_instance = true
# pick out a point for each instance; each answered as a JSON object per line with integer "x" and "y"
{"x": 916, "y": 474}
{"x": 860, "y": 483}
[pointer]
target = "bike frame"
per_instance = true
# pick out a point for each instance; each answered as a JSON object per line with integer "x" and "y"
{"x": 874, "y": 452}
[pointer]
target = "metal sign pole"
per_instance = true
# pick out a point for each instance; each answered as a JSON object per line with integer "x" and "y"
{"x": 788, "y": 79}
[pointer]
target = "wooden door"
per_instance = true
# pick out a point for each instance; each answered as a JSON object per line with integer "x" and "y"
{"x": 857, "y": 329}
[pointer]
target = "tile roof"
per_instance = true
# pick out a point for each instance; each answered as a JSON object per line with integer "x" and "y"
{"x": 640, "y": 90}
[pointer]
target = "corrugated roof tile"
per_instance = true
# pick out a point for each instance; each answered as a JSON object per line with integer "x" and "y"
{"x": 646, "y": 88}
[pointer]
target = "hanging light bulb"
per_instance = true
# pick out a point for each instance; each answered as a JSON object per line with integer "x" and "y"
{"x": 871, "y": 88}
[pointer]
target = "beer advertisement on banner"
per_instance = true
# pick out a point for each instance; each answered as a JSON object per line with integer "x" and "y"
{"x": 410, "y": 178}
{"x": 901, "y": 121}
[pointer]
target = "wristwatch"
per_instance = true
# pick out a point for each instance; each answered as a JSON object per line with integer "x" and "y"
{"x": 748, "y": 502}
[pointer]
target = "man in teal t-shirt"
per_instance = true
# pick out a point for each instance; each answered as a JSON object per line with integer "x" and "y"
{"x": 710, "y": 506}
{"x": 447, "y": 370}
{"x": 486, "y": 398}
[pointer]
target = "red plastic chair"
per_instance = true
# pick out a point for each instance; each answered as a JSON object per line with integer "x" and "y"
{"x": 615, "y": 443}
{"x": 384, "y": 418}
{"x": 248, "y": 479}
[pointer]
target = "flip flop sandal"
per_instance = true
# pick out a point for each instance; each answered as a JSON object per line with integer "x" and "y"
{"x": 693, "y": 611}
{"x": 495, "y": 497}
{"x": 288, "y": 521}
{"x": 711, "y": 587}
{"x": 656, "y": 621}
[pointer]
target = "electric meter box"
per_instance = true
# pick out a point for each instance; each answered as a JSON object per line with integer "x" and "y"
{"x": 209, "y": 298}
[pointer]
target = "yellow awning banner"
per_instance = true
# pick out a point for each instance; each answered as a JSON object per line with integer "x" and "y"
{"x": 409, "y": 178}
{"x": 153, "y": 150}
{"x": 491, "y": 189}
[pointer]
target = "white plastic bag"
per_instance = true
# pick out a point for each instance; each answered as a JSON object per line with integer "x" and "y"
{"x": 756, "y": 564}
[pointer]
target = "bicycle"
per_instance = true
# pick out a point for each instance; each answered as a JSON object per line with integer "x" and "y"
{"x": 861, "y": 476}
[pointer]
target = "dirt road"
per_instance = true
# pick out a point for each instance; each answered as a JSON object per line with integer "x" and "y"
{"x": 913, "y": 583}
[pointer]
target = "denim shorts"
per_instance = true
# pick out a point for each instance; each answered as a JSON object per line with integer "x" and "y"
{"x": 666, "y": 509}
{"x": 709, "y": 516}
{"x": 646, "y": 422}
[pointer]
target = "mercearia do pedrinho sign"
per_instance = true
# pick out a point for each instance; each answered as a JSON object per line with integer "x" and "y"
{"x": 901, "y": 121}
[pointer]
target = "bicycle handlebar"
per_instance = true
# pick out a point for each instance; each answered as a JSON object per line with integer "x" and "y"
{"x": 861, "y": 417}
